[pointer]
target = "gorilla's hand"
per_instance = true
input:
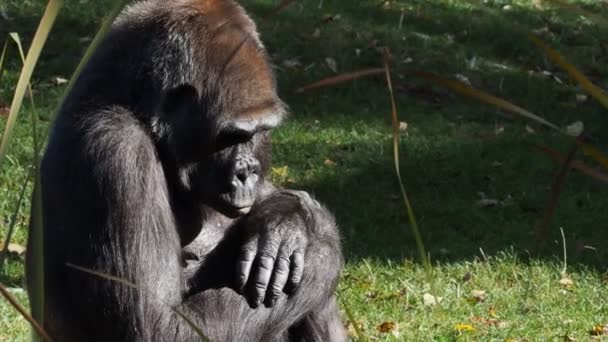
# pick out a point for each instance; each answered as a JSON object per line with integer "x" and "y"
{"x": 275, "y": 242}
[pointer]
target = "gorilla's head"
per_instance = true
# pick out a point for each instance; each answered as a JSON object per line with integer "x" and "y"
{"x": 217, "y": 127}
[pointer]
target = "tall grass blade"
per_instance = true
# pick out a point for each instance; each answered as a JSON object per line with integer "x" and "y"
{"x": 353, "y": 321}
{"x": 278, "y": 8}
{"x": 24, "y": 313}
{"x": 2, "y": 57}
{"x": 578, "y": 76}
{"x": 48, "y": 19}
{"x": 192, "y": 325}
{"x": 556, "y": 189}
{"x": 346, "y": 77}
{"x": 576, "y": 164}
{"x": 593, "y": 152}
{"x": 13, "y": 221}
{"x": 35, "y": 249}
{"x": 464, "y": 89}
{"x": 410, "y": 212}
{"x": 17, "y": 41}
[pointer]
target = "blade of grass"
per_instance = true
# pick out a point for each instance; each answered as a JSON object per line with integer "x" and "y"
{"x": 406, "y": 201}
{"x": 464, "y": 89}
{"x": 351, "y": 318}
{"x": 576, "y": 164}
{"x": 127, "y": 283}
{"x": 556, "y": 189}
{"x": 342, "y": 78}
{"x": 278, "y": 8}
{"x": 192, "y": 325}
{"x": 48, "y": 19}
{"x": 14, "y": 303}
{"x": 593, "y": 152}
{"x": 13, "y": 220}
{"x": 17, "y": 41}
{"x": 2, "y": 57}
{"x": 578, "y": 76}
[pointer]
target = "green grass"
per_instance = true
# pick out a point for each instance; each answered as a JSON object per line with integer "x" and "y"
{"x": 337, "y": 144}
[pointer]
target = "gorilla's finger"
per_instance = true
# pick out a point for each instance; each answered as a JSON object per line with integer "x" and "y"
{"x": 297, "y": 269}
{"x": 265, "y": 264}
{"x": 279, "y": 277}
{"x": 244, "y": 264}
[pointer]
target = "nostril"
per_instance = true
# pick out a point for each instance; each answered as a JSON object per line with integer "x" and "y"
{"x": 242, "y": 176}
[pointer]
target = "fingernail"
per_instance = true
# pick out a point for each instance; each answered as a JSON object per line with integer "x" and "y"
{"x": 258, "y": 302}
{"x": 273, "y": 301}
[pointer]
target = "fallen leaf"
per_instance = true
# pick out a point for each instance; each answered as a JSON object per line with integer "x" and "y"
{"x": 329, "y": 162}
{"x": 402, "y": 126}
{"x": 430, "y": 300}
{"x": 464, "y": 327}
{"x": 599, "y": 330}
{"x": 487, "y": 202}
{"x": 529, "y": 129}
{"x": 292, "y": 63}
{"x": 316, "y": 33}
{"x": 14, "y": 248}
{"x": 331, "y": 64}
{"x": 59, "y": 80}
{"x": 479, "y": 295}
{"x": 280, "y": 173}
{"x": 566, "y": 282}
{"x": 386, "y": 327}
{"x": 575, "y": 129}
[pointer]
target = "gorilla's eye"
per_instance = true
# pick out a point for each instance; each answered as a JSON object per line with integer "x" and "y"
{"x": 233, "y": 137}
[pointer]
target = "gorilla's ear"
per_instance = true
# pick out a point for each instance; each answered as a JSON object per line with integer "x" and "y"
{"x": 179, "y": 100}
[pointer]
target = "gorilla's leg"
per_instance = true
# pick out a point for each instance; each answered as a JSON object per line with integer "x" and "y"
{"x": 321, "y": 325}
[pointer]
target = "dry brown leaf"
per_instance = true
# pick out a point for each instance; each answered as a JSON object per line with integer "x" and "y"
{"x": 430, "y": 300}
{"x": 566, "y": 282}
{"x": 340, "y": 79}
{"x": 292, "y": 63}
{"x": 479, "y": 295}
{"x": 14, "y": 248}
{"x": 329, "y": 162}
{"x": 331, "y": 64}
{"x": 599, "y": 330}
{"x": 386, "y": 327}
{"x": 402, "y": 126}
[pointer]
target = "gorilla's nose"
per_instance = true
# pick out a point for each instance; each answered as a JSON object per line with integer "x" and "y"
{"x": 246, "y": 173}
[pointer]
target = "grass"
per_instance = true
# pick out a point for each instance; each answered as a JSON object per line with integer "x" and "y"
{"x": 338, "y": 145}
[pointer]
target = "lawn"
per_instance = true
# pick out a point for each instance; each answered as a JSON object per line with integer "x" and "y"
{"x": 490, "y": 282}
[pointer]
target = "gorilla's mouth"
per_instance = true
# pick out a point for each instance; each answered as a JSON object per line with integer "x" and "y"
{"x": 232, "y": 207}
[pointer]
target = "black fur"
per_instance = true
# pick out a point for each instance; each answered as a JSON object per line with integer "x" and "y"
{"x": 154, "y": 174}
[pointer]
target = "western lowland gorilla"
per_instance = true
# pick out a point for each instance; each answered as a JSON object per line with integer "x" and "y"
{"x": 154, "y": 174}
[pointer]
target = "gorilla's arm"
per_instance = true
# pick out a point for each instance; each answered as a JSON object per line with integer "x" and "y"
{"x": 284, "y": 223}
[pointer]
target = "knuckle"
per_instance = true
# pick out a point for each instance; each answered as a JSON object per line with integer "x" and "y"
{"x": 261, "y": 285}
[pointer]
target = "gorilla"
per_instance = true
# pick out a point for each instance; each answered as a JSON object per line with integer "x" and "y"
{"x": 154, "y": 173}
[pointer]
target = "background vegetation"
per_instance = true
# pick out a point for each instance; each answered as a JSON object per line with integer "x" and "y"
{"x": 476, "y": 181}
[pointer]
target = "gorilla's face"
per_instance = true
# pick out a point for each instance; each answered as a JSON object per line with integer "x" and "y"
{"x": 219, "y": 161}
{"x": 228, "y": 180}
